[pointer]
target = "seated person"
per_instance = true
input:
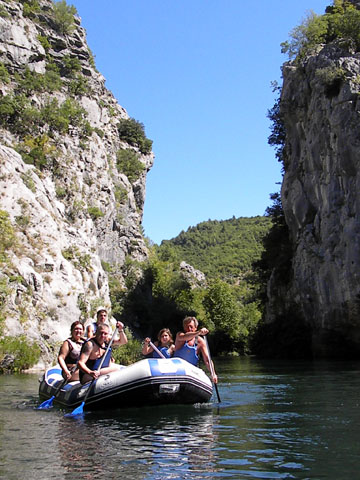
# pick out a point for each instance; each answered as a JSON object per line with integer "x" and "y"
{"x": 70, "y": 352}
{"x": 189, "y": 345}
{"x": 165, "y": 344}
{"x": 94, "y": 350}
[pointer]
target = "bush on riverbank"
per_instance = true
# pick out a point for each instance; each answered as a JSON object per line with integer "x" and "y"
{"x": 129, "y": 353}
{"x": 16, "y": 354}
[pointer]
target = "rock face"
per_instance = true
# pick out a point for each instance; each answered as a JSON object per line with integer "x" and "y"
{"x": 320, "y": 105}
{"x": 73, "y": 209}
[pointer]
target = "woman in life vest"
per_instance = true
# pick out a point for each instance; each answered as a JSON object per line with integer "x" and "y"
{"x": 165, "y": 344}
{"x": 189, "y": 345}
{"x": 70, "y": 352}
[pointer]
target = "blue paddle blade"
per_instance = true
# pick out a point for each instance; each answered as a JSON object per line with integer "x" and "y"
{"x": 77, "y": 411}
{"x": 46, "y": 404}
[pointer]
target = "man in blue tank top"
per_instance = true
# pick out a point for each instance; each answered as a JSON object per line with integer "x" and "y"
{"x": 189, "y": 345}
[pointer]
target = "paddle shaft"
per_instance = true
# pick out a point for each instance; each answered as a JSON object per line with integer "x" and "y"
{"x": 212, "y": 368}
{"x": 48, "y": 403}
{"x": 65, "y": 381}
{"x": 101, "y": 364}
{"x": 156, "y": 350}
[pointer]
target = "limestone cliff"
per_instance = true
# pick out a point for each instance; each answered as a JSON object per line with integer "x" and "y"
{"x": 72, "y": 202}
{"x": 320, "y": 108}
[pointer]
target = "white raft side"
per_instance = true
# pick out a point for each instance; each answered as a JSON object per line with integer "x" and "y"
{"x": 141, "y": 370}
{"x": 196, "y": 372}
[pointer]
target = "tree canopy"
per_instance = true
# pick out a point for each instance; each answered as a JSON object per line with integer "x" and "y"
{"x": 224, "y": 249}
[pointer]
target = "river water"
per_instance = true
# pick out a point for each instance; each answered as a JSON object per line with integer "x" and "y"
{"x": 296, "y": 420}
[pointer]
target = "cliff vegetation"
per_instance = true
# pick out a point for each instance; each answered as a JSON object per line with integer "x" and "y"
{"x": 73, "y": 168}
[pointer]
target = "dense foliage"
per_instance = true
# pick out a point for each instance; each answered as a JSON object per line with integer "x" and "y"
{"x": 159, "y": 294}
{"x": 222, "y": 249}
{"x": 127, "y": 161}
{"x": 39, "y": 125}
{"x": 22, "y": 355}
{"x": 133, "y": 132}
{"x": 341, "y": 21}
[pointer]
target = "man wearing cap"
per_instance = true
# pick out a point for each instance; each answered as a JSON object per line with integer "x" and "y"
{"x": 101, "y": 319}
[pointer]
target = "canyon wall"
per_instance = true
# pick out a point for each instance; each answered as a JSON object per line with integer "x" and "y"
{"x": 70, "y": 209}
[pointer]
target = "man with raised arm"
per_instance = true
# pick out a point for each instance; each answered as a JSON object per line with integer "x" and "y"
{"x": 189, "y": 345}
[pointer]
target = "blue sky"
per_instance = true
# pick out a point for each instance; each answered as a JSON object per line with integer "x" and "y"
{"x": 197, "y": 74}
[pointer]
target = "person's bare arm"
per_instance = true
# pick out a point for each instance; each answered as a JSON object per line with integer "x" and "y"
{"x": 85, "y": 354}
{"x": 122, "y": 340}
{"x": 63, "y": 353}
{"x": 182, "y": 337}
{"x": 146, "y": 350}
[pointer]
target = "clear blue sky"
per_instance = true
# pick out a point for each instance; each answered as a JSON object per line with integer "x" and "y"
{"x": 197, "y": 74}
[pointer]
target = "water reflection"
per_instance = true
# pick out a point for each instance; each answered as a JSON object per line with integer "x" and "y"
{"x": 162, "y": 443}
{"x": 276, "y": 420}
{"x": 295, "y": 420}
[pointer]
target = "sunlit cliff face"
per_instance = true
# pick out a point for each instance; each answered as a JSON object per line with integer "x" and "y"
{"x": 321, "y": 202}
{"x": 75, "y": 211}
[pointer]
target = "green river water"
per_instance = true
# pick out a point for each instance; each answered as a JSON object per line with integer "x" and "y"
{"x": 276, "y": 420}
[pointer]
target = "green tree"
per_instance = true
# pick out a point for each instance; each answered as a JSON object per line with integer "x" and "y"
{"x": 37, "y": 151}
{"x": 133, "y": 132}
{"x": 224, "y": 313}
{"x": 306, "y": 36}
{"x": 128, "y": 162}
{"x": 341, "y": 21}
{"x": 64, "y": 17}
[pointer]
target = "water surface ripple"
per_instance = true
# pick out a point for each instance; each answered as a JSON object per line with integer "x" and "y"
{"x": 295, "y": 420}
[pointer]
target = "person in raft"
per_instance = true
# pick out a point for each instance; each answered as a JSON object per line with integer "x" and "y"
{"x": 189, "y": 345}
{"x": 101, "y": 319}
{"x": 165, "y": 344}
{"x": 93, "y": 351}
{"x": 70, "y": 352}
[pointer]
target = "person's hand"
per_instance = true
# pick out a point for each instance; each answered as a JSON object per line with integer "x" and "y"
{"x": 204, "y": 331}
{"x": 215, "y": 378}
{"x": 119, "y": 326}
{"x": 147, "y": 340}
{"x": 68, "y": 374}
{"x": 95, "y": 374}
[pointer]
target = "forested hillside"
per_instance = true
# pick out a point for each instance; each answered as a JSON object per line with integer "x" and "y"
{"x": 222, "y": 249}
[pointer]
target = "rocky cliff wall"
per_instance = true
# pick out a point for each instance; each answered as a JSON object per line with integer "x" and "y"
{"x": 72, "y": 208}
{"x": 320, "y": 108}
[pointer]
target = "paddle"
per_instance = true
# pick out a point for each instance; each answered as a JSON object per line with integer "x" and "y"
{"x": 156, "y": 350}
{"x": 48, "y": 403}
{"x": 212, "y": 368}
{"x": 80, "y": 409}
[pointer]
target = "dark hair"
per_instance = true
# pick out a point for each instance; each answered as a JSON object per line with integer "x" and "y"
{"x": 75, "y": 324}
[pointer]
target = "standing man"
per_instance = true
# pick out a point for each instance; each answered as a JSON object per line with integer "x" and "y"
{"x": 189, "y": 345}
{"x": 101, "y": 319}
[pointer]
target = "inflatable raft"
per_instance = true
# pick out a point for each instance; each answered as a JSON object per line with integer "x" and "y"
{"x": 152, "y": 381}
